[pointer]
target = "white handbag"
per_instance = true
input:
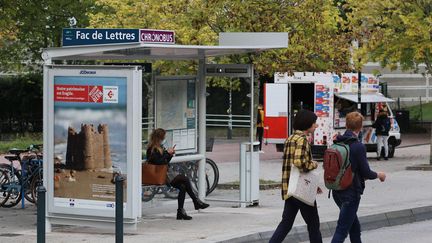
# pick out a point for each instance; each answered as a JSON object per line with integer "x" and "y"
{"x": 303, "y": 185}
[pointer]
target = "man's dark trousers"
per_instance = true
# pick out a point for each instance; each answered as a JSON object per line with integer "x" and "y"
{"x": 348, "y": 203}
{"x": 309, "y": 214}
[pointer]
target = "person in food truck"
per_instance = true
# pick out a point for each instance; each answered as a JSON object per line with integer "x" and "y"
{"x": 382, "y": 127}
{"x": 345, "y": 106}
{"x": 297, "y": 152}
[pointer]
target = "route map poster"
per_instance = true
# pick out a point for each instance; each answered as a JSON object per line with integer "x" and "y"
{"x": 176, "y": 112}
{"x": 90, "y": 140}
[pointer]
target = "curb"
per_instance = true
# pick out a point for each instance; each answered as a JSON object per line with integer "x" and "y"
{"x": 413, "y": 145}
{"x": 369, "y": 222}
{"x": 229, "y": 186}
{"x": 424, "y": 167}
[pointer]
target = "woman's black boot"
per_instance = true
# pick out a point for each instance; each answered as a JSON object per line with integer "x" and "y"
{"x": 200, "y": 205}
{"x": 181, "y": 215}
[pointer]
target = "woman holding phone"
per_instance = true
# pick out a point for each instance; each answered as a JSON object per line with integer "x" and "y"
{"x": 158, "y": 155}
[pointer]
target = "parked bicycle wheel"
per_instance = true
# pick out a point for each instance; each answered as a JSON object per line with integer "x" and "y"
{"x": 27, "y": 180}
{"x": 4, "y": 180}
{"x": 36, "y": 181}
{"x": 28, "y": 192}
{"x": 13, "y": 188}
{"x": 212, "y": 175}
{"x": 193, "y": 175}
{"x": 171, "y": 192}
{"x": 148, "y": 193}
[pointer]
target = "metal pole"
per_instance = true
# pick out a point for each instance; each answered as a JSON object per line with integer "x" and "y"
{"x": 202, "y": 127}
{"x": 229, "y": 135}
{"x": 430, "y": 154}
{"x": 421, "y": 110}
{"x": 41, "y": 214}
{"x": 428, "y": 98}
{"x": 251, "y": 110}
{"x": 359, "y": 91}
{"x": 119, "y": 208}
{"x": 359, "y": 81}
{"x": 252, "y": 138}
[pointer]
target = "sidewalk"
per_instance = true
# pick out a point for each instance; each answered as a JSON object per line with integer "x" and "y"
{"x": 229, "y": 150}
{"x": 223, "y": 221}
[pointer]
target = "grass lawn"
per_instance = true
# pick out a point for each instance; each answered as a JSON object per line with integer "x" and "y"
{"x": 426, "y": 110}
{"x": 21, "y": 142}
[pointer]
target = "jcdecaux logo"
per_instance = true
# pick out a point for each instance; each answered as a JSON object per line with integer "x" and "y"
{"x": 87, "y": 72}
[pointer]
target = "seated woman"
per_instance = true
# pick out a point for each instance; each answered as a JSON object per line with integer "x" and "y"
{"x": 157, "y": 154}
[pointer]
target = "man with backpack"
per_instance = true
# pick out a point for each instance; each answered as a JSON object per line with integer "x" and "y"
{"x": 382, "y": 127}
{"x": 345, "y": 170}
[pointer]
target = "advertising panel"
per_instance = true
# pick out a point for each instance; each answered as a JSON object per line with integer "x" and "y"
{"x": 89, "y": 138}
{"x": 91, "y": 118}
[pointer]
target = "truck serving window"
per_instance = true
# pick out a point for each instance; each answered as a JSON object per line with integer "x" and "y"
{"x": 343, "y": 107}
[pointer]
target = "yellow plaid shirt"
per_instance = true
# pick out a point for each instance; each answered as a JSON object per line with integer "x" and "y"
{"x": 297, "y": 151}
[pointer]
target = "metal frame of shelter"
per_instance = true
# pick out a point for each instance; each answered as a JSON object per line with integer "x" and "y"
{"x": 229, "y": 43}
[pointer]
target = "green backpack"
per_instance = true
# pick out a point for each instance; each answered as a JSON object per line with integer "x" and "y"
{"x": 338, "y": 174}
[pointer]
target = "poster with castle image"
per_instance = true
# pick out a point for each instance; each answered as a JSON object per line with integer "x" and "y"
{"x": 90, "y": 117}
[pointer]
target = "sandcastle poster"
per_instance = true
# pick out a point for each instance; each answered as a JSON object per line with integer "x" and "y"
{"x": 90, "y": 135}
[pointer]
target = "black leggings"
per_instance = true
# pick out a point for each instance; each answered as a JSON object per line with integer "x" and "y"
{"x": 183, "y": 183}
{"x": 259, "y": 134}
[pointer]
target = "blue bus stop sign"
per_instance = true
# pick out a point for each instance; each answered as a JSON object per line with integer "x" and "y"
{"x": 79, "y": 37}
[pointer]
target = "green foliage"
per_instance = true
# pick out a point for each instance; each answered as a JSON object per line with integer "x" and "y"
{"x": 421, "y": 112}
{"x": 315, "y": 41}
{"x": 394, "y": 32}
{"x": 26, "y": 27}
{"x": 21, "y": 142}
{"x": 23, "y": 98}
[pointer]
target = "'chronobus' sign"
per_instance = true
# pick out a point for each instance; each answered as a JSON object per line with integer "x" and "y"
{"x": 79, "y": 37}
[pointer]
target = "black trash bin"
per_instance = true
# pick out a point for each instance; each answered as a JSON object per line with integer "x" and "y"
{"x": 403, "y": 119}
{"x": 209, "y": 144}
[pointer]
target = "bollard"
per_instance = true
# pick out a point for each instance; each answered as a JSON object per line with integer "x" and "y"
{"x": 119, "y": 208}
{"x": 41, "y": 214}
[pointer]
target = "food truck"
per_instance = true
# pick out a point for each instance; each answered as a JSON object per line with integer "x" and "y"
{"x": 331, "y": 97}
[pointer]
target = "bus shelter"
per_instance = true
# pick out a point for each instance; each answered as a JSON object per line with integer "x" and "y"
{"x": 92, "y": 121}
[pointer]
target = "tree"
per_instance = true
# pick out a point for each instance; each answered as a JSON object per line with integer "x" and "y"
{"x": 395, "y": 32}
{"x": 26, "y": 27}
{"x": 315, "y": 42}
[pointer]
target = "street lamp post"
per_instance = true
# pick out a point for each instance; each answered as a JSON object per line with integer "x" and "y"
{"x": 359, "y": 81}
{"x": 229, "y": 135}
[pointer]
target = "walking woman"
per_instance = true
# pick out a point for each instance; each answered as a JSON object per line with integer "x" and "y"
{"x": 158, "y": 155}
{"x": 298, "y": 152}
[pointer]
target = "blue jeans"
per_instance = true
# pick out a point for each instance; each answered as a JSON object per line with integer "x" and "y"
{"x": 348, "y": 203}
{"x": 309, "y": 214}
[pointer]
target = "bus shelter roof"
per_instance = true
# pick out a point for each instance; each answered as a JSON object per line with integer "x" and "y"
{"x": 229, "y": 43}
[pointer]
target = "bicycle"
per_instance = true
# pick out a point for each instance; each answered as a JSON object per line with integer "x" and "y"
{"x": 190, "y": 170}
{"x": 15, "y": 183}
{"x": 211, "y": 175}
